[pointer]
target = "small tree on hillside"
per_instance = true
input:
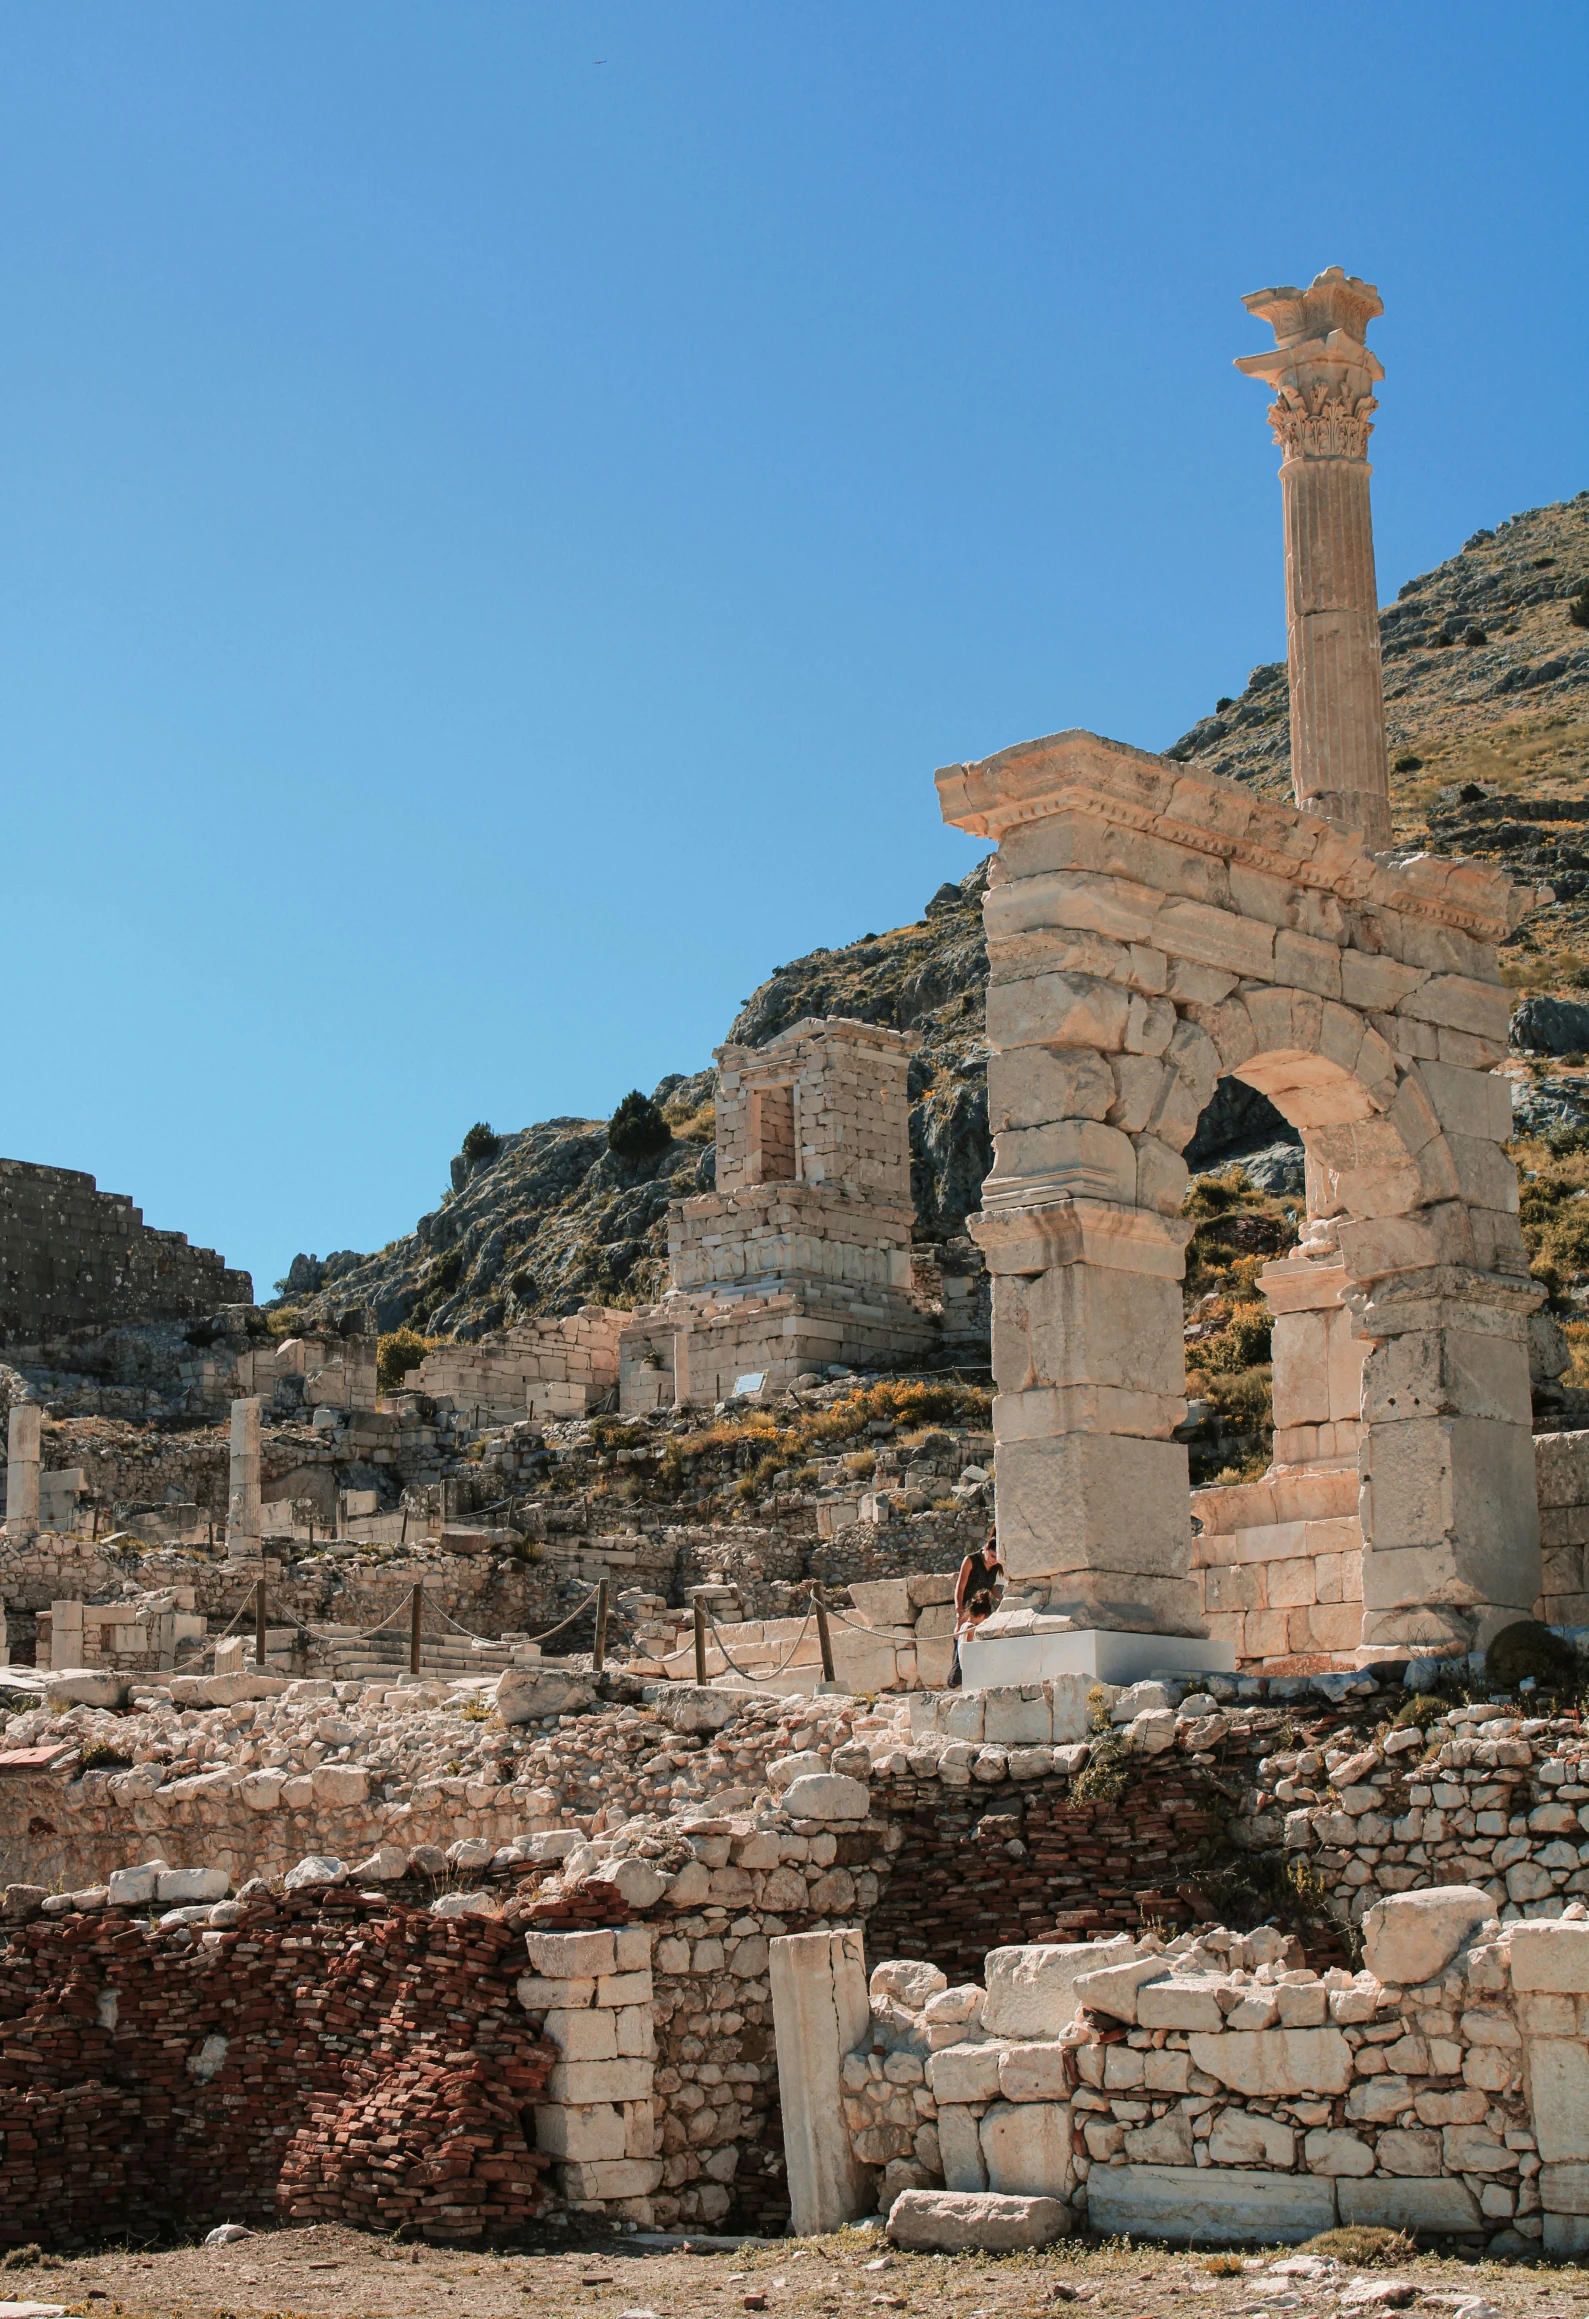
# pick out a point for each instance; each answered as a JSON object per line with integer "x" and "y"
{"x": 637, "y": 1129}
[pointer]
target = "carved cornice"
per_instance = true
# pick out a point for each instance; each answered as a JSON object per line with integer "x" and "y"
{"x": 1106, "y": 781}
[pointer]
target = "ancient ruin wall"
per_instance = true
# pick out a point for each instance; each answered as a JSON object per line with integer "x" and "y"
{"x": 330, "y": 2057}
{"x": 72, "y": 1256}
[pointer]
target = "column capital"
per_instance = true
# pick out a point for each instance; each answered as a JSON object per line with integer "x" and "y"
{"x": 1321, "y": 370}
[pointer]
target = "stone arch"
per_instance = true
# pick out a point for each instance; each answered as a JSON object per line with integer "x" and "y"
{"x": 1149, "y": 931}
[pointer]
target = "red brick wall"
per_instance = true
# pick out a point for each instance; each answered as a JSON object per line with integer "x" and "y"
{"x": 377, "y": 2071}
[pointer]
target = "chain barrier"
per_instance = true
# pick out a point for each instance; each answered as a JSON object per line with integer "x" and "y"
{"x": 782, "y": 1664}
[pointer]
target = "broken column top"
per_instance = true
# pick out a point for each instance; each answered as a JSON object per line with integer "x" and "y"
{"x": 1322, "y": 371}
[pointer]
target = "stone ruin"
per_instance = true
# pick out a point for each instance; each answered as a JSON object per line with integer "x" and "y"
{"x": 799, "y": 1258}
{"x": 75, "y": 1258}
{"x": 1151, "y": 931}
{"x": 596, "y": 1936}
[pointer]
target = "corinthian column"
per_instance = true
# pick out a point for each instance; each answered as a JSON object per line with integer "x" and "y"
{"x": 1324, "y": 376}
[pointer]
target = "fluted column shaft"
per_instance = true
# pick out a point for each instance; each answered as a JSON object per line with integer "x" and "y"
{"x": 1339, "y": 767}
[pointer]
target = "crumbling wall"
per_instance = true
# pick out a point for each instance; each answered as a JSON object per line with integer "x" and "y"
{"x": 328, "y": 2056}
{"x": 73, "y": 1256}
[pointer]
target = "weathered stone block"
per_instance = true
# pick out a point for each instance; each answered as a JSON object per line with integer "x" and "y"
{"x": 1031, "y": 1991}
{"x": 1275, "y": 2061}
{"x": 1436, "y": 2208}
{"x": 1026, "y": 2148}
{"x": 1207, "y": 2205}
{"x": 948, "y": 2221}
{"x": 1412, "y": 1937}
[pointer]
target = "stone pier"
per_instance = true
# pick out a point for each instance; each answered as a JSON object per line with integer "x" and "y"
{"x": 820, "y": 2012}
{"x": 242, "y": 1497}
{"x": 1324, "y": 377}
{"x": 22, "y": 1473}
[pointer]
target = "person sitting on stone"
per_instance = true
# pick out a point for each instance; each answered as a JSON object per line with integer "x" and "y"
{"x": 976, "y": 1592}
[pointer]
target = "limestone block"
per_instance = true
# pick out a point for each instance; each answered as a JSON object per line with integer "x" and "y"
{"x": 948, "y": 2221}
{"x": 1058, "y": 1010}
{"x": 1550, "y": 1956}
{"x": 1162, "y": 1177}
{"x": 1558, "y": 2076}
{"x": 1275, "y": 2061}
{"x": 587, "y": 2034}
{"x": 1167, "y": 2141}
{"x": 1456, "y": 1001}
{"x": 1208, "y": 2206}
{"x": 1564, "y": 2189}
{"x": 1434, "y": 2208}
{"x": 1026, "y": 2148}
{"x": 1138, "y": 1081}
{"x": 1034, "y": 1086}
{"x": 1242, "y": 2138}
{"x": 1033, "y": 2072}
{"x": 1413, "y": 1936}
{"x": 820, "y": 2013}
{"x": 584, "y": 2130}
{"x": 1181, "y": 2003}
{"x": 1069, "y": 1707}
{"x": 960, "y": 2150}
{"x": 603, "y": 2178}
{"x": 964, "y": 2073}
{"x": 1091, "y": 1502}
{"x": 336, "y": 1785}
{"x": 826, "y": 1796}
{"x": 1112, "y": 1989}
{"x": 135, "y": 1887}
{"x": 1032, "y": 1989}
{"x": 1018, "y": 1715}
{"x": 1084, "y": 1324}
{"x": 1080, "y": 1156}
{"x": 1458, "y": 1491}
{"x": 177, "y": 1886}
{"x": 572, "y": 1956}
{"x": 622, "y": 2080}
{"x": 1406, "y": 2150}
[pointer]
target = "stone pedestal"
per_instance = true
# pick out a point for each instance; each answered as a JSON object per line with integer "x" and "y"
{"x": 996, "y": 1660}
{"x": 1092, "y": 1500}
{"x": 820, "y": 2013}
{"x": 1324, "y": 376}
{"x": 22, "y": 1473}
{"x": 242, "y": 1496}
{"x": 1447, "y": 1493}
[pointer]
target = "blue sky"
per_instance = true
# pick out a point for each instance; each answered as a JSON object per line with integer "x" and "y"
{"x": 504, "y": 507}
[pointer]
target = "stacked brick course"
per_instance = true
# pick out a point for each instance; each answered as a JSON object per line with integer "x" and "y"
{"x": 335, "y": 2056}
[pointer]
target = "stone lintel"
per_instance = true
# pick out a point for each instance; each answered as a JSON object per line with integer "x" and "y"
{"x": 1304, "y": 1284}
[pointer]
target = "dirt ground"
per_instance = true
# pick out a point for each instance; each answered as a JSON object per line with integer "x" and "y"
{"x": 281, "y": 2274}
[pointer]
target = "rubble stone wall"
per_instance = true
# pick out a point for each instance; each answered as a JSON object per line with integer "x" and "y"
{"x": 1219, "y": 2089}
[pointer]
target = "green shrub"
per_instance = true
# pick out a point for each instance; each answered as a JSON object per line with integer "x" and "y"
{"x": 480, "y": 1146}
{"x": 637, "y": 1129}
{"x": 396, "y": 1354}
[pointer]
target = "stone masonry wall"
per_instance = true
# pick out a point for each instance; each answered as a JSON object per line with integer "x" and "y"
{"x": 73, "y": 1256}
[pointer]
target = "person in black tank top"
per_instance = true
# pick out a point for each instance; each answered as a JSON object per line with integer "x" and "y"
{"x": 976, "y": 1592}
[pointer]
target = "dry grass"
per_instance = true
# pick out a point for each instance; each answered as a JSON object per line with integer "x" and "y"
{"x": 328, "y": 2270}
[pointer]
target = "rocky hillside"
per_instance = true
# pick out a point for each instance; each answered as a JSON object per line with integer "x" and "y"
{"x": 1487, "y": 682}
